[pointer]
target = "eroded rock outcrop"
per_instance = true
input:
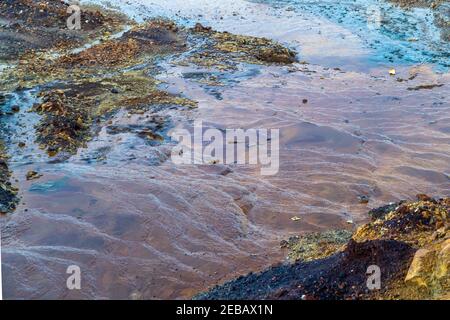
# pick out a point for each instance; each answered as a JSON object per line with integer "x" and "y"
{"x": 408, "y": 241}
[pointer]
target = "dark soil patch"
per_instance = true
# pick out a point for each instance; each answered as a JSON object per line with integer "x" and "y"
{"x": 341, "y": 276}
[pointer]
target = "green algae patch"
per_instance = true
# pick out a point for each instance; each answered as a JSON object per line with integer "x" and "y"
{"x": 316, "y": 245}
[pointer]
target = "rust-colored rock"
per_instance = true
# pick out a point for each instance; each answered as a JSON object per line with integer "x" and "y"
{"x": 421, "y": 268}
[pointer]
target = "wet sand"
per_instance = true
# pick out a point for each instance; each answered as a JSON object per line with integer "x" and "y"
{"x": 141, "y": 227}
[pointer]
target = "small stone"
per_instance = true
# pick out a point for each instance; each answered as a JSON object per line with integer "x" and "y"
{"x": 363, "y": 199}
{"x": 423, "y": 197}
{"x": 296, "y": 218}
{"x": 305, "y": 101}
{"x": 392, "y": 72}
{"x": 114, "y": 90}
{"x": 15, "y": 108}
{"x": 33, "y": 175}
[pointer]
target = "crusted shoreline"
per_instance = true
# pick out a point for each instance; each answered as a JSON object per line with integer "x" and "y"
{"x": 85, "y": 76}
{"x": 409, "y": 241}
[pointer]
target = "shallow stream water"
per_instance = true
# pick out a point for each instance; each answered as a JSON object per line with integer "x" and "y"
{"x": 140, "y": 226}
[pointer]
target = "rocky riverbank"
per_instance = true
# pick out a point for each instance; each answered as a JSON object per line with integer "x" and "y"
{"x": 409, "y": 241}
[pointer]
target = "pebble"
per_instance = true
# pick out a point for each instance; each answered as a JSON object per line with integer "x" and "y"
{"x": 363, "y": 199}
{"x": 32, "y": 175}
